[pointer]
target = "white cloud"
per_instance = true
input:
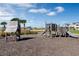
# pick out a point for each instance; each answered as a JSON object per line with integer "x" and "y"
{"x": 47, "y": 11}
{"x": 59, "y": 9}
{"x": 6, "y": 19}
{"x": 51, "y": 14}
{"x": 42, "y": 10}
{"x": 6, "y": 11}
{"x": 28, "y": 5}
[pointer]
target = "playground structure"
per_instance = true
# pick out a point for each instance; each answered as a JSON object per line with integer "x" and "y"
{"x": 54, "y": 30}
{"x": 13, "y": 27}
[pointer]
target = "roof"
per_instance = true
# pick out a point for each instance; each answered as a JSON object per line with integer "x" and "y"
{"x": 11, "y": 26}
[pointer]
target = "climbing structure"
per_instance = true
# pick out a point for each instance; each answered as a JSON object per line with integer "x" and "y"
{"x": 54, "y": 30}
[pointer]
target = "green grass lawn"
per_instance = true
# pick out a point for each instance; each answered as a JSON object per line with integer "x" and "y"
{"x": 74, "y": 31}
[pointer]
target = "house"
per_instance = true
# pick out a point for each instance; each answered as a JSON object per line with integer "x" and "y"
{"x": 74, "y": 25}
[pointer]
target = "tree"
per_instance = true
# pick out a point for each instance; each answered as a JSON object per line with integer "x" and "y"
{"x": 19, "y": 27}
{"x": 19, "y": 21}
{"x": 3, "y": 23}
{"x": 15, "y": 19}
{"x": 23, "y": 22}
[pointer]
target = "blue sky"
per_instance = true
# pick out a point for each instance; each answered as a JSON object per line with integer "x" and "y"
{"x": 37, "y": 14}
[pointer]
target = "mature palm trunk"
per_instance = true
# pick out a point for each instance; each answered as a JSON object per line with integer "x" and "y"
{"x": 4, "y": 28}
{"x": 24, "y": 25}
{"x": 18, "y": 31}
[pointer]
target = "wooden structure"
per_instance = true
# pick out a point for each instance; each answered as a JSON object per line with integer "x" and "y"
{"x": 53, "y": 29}
{"x": 13, "y": 28}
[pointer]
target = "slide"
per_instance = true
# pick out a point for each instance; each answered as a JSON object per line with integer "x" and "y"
{"x": 73, "y": 35}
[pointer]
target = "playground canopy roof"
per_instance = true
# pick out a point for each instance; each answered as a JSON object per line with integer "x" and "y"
{"x": 11, "y": 26}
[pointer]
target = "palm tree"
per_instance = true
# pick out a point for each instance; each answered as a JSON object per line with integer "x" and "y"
{"x": 3, "y": 23}
{"x": 23, "y": 22}
{"x": 19, "y": 27}
{"x": 18, "y": 20}
{"x": 15, "y": 19}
